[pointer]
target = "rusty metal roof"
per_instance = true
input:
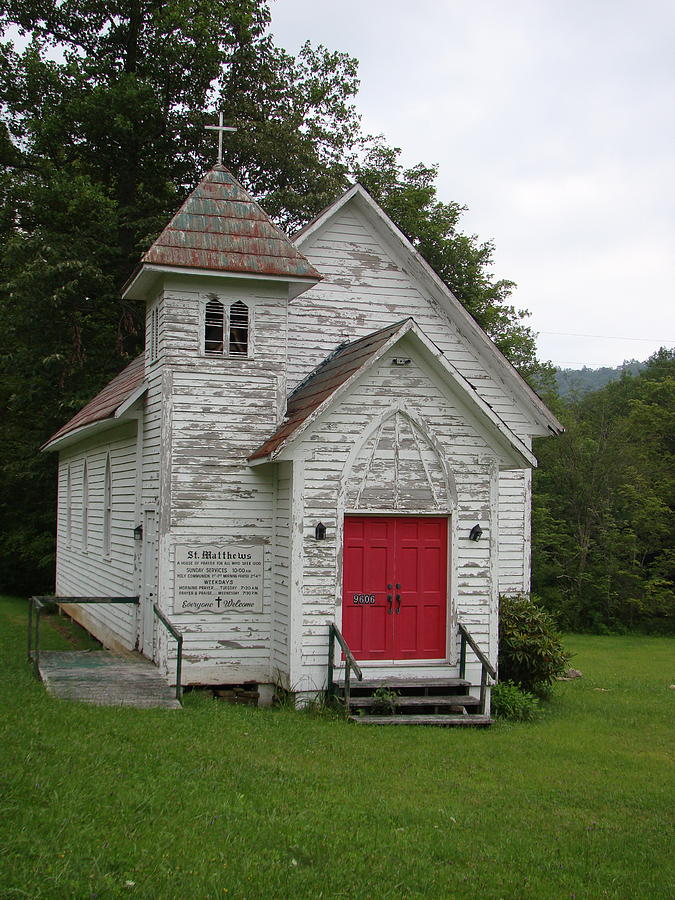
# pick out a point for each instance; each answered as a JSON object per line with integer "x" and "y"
{"x": 106, "y": 403}
{"x": 322, "y": 383}
{"x": 221, "y": 227}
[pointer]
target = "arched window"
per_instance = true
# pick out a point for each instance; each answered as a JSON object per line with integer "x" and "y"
{"x": 107, "y": 507}
{"x": 85, "y": 507}
{"x": 238, "y": 337}
{"x": 214, "y": 328}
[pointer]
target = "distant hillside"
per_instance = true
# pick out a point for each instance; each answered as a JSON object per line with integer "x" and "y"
{"x": 575, "y": 383}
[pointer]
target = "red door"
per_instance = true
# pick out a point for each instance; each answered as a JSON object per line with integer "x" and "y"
{"x": 394, "y": 587}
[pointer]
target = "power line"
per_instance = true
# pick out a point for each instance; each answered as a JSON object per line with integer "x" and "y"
{"x": 609, "y": 337}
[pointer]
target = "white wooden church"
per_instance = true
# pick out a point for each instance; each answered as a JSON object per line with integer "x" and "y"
{"x": 317, "y": 432}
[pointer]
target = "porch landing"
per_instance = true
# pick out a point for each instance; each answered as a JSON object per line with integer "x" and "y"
{"x": 105, "y": 678}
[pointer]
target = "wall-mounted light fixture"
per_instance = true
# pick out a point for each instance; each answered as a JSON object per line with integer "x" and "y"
{"x": 138, "y": 533}
{"x": 320, "y": 531}
{"x": 476, "y": 533}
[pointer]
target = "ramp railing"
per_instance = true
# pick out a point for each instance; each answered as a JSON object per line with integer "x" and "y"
{"x": 37, "y": 604}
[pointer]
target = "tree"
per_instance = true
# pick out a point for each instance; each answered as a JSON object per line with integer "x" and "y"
{"x": 603, "y": 506}
{"x": 102, "y": 135}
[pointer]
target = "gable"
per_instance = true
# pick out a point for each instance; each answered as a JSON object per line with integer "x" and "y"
{"x": 343, "y": 370}
{"x": 373, "y": 275}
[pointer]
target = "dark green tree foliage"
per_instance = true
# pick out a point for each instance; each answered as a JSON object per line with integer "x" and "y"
{"x": 573, "y": 384}
{"x": 603, "y": 524}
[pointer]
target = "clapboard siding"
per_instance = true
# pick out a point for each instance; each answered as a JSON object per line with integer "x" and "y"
{"x": 326, "y": 448}
{"x": 399, "y": 440}
{"x": 93, "y": 572}
{"x": 366, "y": 288}
{"x": 514, "y": 531}
{"x": 282, "y": 573}
{"x": 217, "y": 410}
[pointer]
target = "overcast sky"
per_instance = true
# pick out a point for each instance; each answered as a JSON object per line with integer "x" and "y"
{"x": 553, "y": 121}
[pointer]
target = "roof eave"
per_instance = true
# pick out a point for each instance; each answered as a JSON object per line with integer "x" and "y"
{"x": 122, "y": 414}
{"x": 144, "y": 281}
{"x": 511, "y": 445}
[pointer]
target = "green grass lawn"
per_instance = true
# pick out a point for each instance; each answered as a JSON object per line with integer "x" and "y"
{"x": 224, "y": 801}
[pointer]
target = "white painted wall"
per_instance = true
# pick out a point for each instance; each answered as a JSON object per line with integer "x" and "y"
{"x": 216, "y": 411}
{"x": 324, "y": 452}
{"x": 366, "y": 287}
{"x": 91, "y": 572}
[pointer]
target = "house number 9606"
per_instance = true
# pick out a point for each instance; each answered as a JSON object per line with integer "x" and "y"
{"x": 364, "y": 599}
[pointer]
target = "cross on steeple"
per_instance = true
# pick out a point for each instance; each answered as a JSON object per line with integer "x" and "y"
{"x": 220, "y": 128}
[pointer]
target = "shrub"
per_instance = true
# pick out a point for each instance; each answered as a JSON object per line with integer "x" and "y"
{"x": 509, "y": 702}
{"x": 531, "y": 654}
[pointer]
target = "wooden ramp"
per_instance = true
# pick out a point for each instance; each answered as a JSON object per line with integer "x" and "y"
{"x": 106, "y": 679}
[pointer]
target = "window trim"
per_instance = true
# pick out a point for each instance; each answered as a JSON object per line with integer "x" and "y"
{"x": 107, "y": 508}
{"x": 153, "y": 334}
{"x": 69, "y": 506}
{"x": 85, "y": 507}
{"x": 226, "y": 305}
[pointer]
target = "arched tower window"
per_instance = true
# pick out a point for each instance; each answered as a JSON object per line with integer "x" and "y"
{"x": 214, "y": 328}
{"x": 238, "y": 336}
{"x": 85, "y": 507}
{"x": 107, "y": 508}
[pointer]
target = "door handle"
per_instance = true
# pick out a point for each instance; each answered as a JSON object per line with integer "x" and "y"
{"x": 398, "y": 604}
{"x": 389, "y": 602}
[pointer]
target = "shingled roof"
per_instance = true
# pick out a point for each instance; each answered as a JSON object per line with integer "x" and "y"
{"x": 331, "y": 374}
{"x": 220, "y": 227}
{"x": 106, "y": 403}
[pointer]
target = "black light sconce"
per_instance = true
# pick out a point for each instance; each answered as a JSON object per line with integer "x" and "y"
{"x": 138, "y": 533}
{"x": 320, "y": 531}
{"x": 476, "y": 533}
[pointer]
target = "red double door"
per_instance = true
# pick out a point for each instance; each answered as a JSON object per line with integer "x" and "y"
{"x": 394, "y": 600}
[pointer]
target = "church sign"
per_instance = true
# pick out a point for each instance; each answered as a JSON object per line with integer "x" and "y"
{"x": 218, "y": 578}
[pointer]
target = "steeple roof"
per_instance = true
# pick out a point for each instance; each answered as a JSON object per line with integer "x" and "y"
{"x": 221, "y": 227}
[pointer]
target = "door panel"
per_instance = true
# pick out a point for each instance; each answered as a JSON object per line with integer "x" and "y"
{"x": 410, "y": 554}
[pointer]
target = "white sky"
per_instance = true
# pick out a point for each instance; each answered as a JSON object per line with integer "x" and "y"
{"x": 553, "y": 121}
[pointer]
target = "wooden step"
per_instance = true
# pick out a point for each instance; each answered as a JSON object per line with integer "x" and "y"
{"x": 395, "y": 683}
{"x": 446, "y": 700}
{"x": 442, "y": 720}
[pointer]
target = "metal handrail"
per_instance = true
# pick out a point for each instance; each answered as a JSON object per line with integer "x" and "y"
{"x": 350, "y": 663}
{"x": 39, "y": 603}
{"x": 468, "y": 639}
{"x": 173, "y": 631}
{"x": 486, "y": 666}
